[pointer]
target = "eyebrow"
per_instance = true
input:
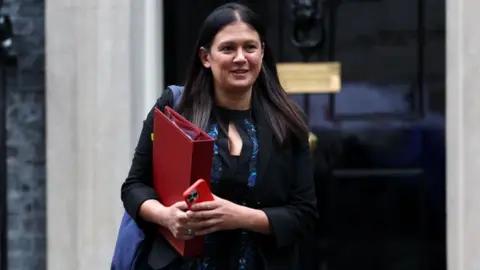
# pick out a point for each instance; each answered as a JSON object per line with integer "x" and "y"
{"x": 233, "y": 41}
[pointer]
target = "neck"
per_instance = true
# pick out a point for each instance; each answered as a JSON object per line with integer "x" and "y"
{"x": 233, "y": 100}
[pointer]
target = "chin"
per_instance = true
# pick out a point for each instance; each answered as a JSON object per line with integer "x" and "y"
{"x": 241, "y": 84}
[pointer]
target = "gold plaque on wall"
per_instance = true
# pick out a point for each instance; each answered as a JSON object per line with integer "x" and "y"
{"x": 310, "y": 78}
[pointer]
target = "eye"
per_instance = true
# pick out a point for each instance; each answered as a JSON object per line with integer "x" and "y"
{"x": 250, "y": 48}
{"x": 227, "y": 49}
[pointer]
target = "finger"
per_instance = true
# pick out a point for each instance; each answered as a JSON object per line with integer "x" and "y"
{"x": 202, "y": 215}
{"x": 181, "y": 205}
{"x": 190, "y": 214}
{"x": 182, "y": 236}
{"x": 202, "y": 225}
{"x": 188, "y": 237}
{"x": 182, "y": 217}
{"x": 194, "y": 220}
{"x": 205, "y": 206}
{"x": 185, "y": 232}
{"x": 206, "y": 231}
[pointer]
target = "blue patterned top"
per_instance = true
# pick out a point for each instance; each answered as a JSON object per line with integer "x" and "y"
{"x": 233, "y": 178}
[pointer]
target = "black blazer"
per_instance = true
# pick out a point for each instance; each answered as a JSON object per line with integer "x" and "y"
{"x": 284, "y": 191}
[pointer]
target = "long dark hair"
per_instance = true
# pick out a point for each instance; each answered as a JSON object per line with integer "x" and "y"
{"x": 284, "y": 115}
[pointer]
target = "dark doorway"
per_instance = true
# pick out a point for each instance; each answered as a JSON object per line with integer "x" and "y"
{"x": 380, "y": 160}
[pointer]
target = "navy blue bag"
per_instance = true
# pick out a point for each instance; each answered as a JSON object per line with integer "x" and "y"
{"x": 131, "y": 238}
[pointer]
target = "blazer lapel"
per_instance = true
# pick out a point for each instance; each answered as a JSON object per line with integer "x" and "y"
{"x": 265, "y": 142}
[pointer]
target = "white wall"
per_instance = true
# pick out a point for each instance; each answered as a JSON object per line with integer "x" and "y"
{"x": 146, "y": 58}
{"x": 99, "y": 89}
{"x": 463, "y": 134}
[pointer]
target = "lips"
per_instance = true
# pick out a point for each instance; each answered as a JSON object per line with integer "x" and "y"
{"x": 240, "y": 71}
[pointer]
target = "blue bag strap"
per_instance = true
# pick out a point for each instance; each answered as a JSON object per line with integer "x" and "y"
{"x": 177, "y": 91}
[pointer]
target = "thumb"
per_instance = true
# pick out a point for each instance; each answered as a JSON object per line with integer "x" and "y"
{"x": 181, "y": 216}
{"x": 181, "y": 205}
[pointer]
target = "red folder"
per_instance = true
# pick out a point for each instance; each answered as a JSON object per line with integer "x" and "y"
{"x": 182, "y": 154}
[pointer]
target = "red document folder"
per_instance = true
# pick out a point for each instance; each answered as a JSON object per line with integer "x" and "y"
{"x": 182, "y": 154}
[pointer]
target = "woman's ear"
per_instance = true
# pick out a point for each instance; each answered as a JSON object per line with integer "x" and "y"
{"x": 204, "y": 55}
{"x": 263, "y": 48}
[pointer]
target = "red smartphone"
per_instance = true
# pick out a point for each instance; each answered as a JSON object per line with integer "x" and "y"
{"x": 197, "y": 193}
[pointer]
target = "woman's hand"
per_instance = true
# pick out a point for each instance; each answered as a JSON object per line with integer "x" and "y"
{"x": 208, "y": 217}
{"x": 176, "y": 221}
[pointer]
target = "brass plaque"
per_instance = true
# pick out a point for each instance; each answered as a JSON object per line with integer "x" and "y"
{"x": 310, "y": 78}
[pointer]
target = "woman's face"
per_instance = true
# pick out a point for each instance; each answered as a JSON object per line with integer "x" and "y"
{"x": 235, "y": 57}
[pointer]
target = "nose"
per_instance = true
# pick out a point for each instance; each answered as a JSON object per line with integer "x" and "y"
{"x": 240, "y": 56}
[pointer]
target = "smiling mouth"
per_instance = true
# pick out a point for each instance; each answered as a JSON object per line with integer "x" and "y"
{"x": 240, "y": 71}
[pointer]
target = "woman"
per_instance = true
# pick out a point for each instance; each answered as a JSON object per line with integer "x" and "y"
{"x": 262, "y": 174}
